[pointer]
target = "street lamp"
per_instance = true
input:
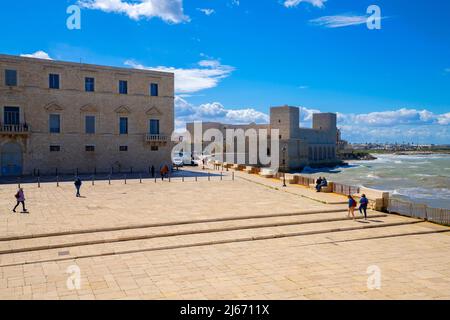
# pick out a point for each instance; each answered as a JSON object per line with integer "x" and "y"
{"x": 284, "y": 166}
{"x": 203, "y": 156}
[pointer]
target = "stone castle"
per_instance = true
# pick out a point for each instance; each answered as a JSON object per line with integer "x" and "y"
{"x": 299, "y": 147}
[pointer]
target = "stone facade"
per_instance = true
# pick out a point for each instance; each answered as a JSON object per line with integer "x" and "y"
{"x": 304, "y": 147}
{"x": 86, "y": 125}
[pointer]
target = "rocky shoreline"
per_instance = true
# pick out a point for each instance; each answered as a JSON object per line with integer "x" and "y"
{"x": 357, "y": 156}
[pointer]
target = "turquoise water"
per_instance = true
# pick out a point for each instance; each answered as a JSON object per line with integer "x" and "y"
{"x": 420, "y": 178}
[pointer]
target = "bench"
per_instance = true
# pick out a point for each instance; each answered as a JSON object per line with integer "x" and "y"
{"x": 327, "y": 189}
{"x": 251, "y": 170}
{"x": 267, "y": 173}
{"x": 238, "y": 167}
{"x": 227, "y": 165}
{"x": 290, "y": 178}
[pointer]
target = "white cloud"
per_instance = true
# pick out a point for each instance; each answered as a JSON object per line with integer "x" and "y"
{"x": 38, "y": 55}
{"x": 215, "y": 112}
{"x": 444, "y": 119}
{"x": 170, "y": 11}
{"x": 206, "y": 75}
{"x": 396, "y": 126}
{"x": 396, "y": 117}
{"x": 404, "y": 124}
{"x": 294, "y": 3}
{"x": 206, "y": 11}
{"x": 339, "y": 21}
{"x": 235, "y": 3}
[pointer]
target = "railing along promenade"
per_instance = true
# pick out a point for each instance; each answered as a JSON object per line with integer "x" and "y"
{"x": 419, "y": 211}
{"x": 391, "y": 205}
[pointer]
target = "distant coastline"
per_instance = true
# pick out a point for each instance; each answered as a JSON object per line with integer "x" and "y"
{"x": 371, "y": 154}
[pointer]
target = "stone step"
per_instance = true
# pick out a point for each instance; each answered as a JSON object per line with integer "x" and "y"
{"x": 169, "y": 223}
{"x": 174, "y": 229}
{"x": 198, "y": 235}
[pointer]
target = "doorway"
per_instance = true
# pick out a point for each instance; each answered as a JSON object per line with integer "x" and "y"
{"x": 11, "y": 159}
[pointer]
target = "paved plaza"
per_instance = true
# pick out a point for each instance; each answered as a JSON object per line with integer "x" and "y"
{"x": 212, "y": 239}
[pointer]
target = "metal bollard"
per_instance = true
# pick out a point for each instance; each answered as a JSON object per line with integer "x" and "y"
{"x": 57, "y": 181}
{"x": 39, "y": 182}
{"x": 140, "y": 178}
{"x": 209, "y": 176}
{"x": 109, "y": 180}
{"x": 221, "y": 176}
{"x": 18, "y": 182}
{"x": 125, "y": 179}
{"x": 182, "y": 179}
{"x": 196, "y": 178}
{"x": 93, "y": 180}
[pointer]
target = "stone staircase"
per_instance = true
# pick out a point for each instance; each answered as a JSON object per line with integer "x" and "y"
{"x": 325, "y": 226}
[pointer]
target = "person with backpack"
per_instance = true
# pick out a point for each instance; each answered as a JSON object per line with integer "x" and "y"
{"x": 363, "y": 204}
{"x": 78, "y": 184}
{"x": 351, "y": 206}
{"x": 20, "y": 198}
{"x": 164, "y": 172}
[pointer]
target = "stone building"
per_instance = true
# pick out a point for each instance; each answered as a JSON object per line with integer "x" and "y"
{"x": 299, "y": 147}
{"x": 68, "y": 117}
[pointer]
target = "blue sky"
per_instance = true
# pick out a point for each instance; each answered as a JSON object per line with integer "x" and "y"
{"x": 233, "y": 59}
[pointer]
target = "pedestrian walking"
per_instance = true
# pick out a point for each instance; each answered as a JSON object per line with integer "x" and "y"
{"x": 78, "y": 184}
{"x": 20, "y": 198}
{"x": 363, "y": 204}
{"x": 152, "y": 170}
{"x": 351, "y": 207}
{"x": 164, "y": 171}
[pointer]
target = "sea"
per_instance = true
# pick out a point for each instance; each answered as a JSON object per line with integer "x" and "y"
{"x": 417, "y": 178}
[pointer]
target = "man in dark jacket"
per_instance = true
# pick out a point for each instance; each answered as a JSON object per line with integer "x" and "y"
{"x": 363, "y": 204}
{"x": 78, "y": 184}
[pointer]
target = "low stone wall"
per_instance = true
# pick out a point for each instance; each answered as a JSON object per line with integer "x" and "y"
{"x": 252, "y": 170}
{"x": 378, "y": 200}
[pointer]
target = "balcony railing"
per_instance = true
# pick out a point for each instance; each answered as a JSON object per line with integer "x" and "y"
{"x": 22, "y": 129}
{"x": 156, "y": 138}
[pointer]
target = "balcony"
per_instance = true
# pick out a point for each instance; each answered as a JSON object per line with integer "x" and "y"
{"x": 156, "y": 138}
{"x": 14, "y": 129}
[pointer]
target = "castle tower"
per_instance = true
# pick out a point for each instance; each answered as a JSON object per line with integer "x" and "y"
{"x": 325, "y": 122}
{"x": 287, "y": 120}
